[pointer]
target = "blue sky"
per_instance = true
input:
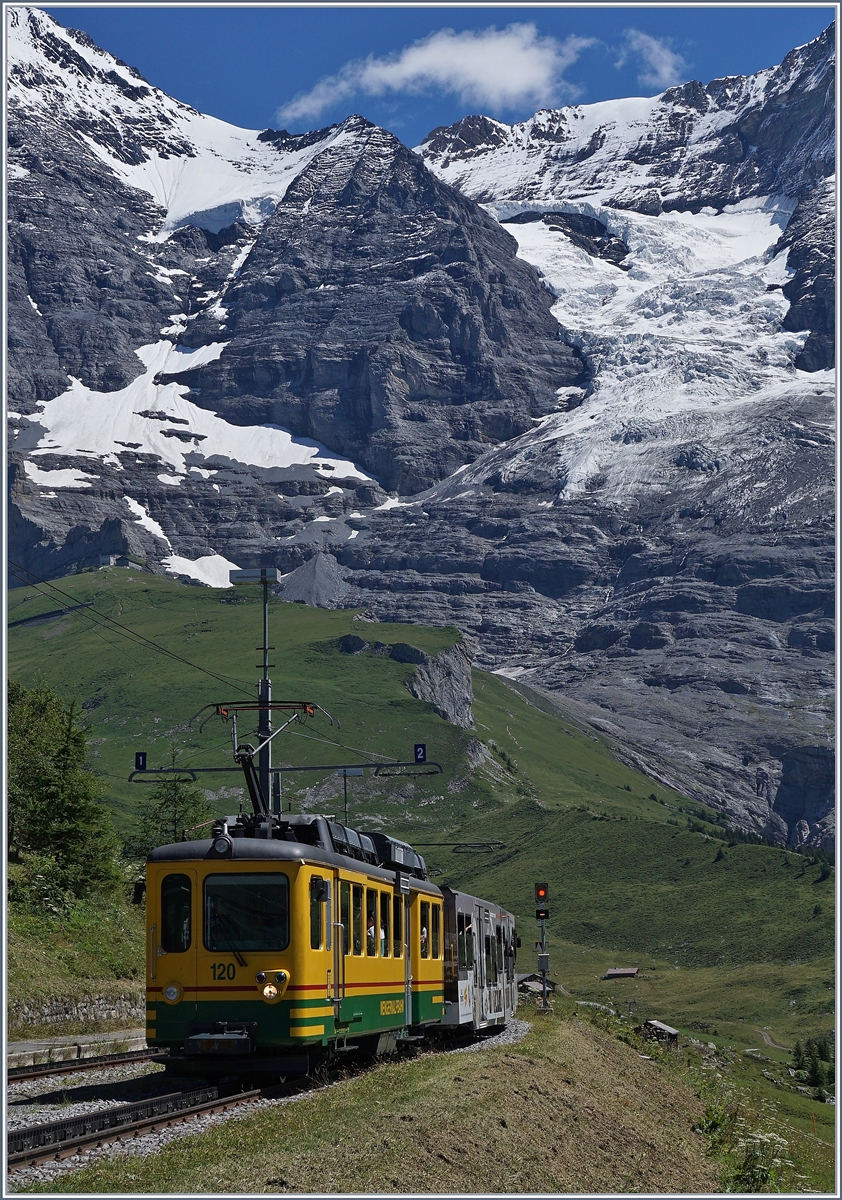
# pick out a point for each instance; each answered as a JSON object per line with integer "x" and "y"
{"x": 413, "y": 68}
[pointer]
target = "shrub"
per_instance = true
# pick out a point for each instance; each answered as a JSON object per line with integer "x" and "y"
{"x": 760, "y": 1162}
{"x": 57, "y": 830}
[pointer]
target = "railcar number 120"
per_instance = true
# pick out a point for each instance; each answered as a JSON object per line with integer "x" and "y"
{"x": 223, "y": 970}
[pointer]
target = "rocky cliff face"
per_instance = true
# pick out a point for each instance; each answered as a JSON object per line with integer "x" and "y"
{"x": 385, "y": 315}
{"x": 602, "y": 395}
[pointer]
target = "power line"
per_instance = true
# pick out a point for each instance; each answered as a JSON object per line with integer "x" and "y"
{"x": 131, "y": 634}
{"x": 340, "y": 745}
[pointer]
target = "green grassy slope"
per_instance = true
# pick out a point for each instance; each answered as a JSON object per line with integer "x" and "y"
{"x": 137, "y": 699}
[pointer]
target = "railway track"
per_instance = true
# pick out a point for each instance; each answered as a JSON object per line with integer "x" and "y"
{"x": 72, "y": 1066}
{"x": 54, "y": 1140}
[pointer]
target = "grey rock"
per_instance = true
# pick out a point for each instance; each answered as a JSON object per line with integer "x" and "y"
{"x": 402, "y": 652}
{"x": 810, "y": 236}
{"x": 444, "y": 681}
{"x": 586, "y": 232}
{"x": 387, "y": 316}
{"x": 351, "y": 644}
{"x": 318, "y": 582}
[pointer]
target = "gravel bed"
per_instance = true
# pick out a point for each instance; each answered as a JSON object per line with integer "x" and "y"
{"x": 37, "y": 1087}
{"x": 40, "y": 1101}
{"x": 147, "y": 1143}
{"x": 513, "y": 1032}
{"x": 151, "y": 1143}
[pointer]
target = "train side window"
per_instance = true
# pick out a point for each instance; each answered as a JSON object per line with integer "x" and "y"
{"x": 370, "y": 921}
{"x": 385, "y": 923}
{"x": 397, "y": 927}
{"x": 469, "y": 942}
{"x": 436, "y": 931}
{"x": 498, "y": 951}
{"x": 489, "y": 965}
{"x": 357, "y": 924}
{"x": 460, "y": 935}
{"x": 425, "y": 929}
{"x": 316, "y": 908}
{"x": 345, "y": 915}
{"x": 176, "y": 913}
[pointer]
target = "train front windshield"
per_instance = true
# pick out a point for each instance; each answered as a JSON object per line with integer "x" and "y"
{"x": 246, "y": 912}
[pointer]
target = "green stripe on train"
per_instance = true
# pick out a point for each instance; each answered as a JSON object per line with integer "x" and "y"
{"x": 275, "y": 1027}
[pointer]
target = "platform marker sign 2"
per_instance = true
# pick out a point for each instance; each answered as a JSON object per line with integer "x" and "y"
{"x": 420, "y": 752}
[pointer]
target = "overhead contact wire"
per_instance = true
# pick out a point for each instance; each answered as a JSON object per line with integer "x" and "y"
{"x": 138, "y": 638}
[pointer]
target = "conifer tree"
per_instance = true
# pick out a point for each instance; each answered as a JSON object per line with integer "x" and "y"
{"x": 53, "y": 812}
{"x": 172, "y": 807}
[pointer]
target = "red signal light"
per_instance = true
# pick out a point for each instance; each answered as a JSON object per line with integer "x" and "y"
{"x": 542, "y": 893}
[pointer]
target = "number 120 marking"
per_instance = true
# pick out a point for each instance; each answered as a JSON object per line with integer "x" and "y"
{"x": 223, "y": 970}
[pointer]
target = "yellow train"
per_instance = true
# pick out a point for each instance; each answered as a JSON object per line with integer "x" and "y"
{"x": 282, "y": 940}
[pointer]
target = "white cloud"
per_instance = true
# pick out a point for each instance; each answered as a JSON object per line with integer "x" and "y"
{"x": 496, "y": 69}
{"x": 665, "y": 68}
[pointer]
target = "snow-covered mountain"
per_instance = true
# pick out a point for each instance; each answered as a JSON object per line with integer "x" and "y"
{"x": 589, "y": 355}
{"x": 688, "y": 148}
{"x": 197, "y": 169}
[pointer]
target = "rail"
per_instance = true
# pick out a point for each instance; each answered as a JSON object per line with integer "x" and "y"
{"x": 53, "y": 1140}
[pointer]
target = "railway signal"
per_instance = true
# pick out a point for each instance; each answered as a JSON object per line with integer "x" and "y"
{"x": 542, "y": 914}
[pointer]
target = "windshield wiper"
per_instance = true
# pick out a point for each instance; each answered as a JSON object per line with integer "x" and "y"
{"x": 222, "y": 923}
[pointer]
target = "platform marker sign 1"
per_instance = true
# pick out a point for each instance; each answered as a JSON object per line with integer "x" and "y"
{"x": 140, "y": 760}
{"x": 420, "y": 752}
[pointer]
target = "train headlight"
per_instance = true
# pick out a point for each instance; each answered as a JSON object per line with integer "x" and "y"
{"x": 270, "y": 992}
{"x": 222, "y": 845}
{"x": 261, "y": 976}
{"x": 281, "y": 977}
{"x": 173, "y": 993}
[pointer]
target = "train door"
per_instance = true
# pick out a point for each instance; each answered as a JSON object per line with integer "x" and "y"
{"x": 475, "y": 931}
{"x": 510, "y": 941}
{"x": 500, "y": 970}
{"x": 173, "y": 933}
{"x": 338, "y": 978}
{"x": 488, "y": 965}
{"x": 402, "y": 921}
{"x": 349, "y": 947}
{"x": 482, "y": 967}
{"x": 465, "y": 966}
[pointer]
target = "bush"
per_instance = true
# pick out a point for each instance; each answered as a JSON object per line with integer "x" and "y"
{"x": 760, "y": 1163}
{"x": 35, "y": 887}
{"x": 58, "y": 832}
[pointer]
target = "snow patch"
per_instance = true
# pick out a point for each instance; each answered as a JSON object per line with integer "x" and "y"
{"x": 66, "y": 477}
{"x": 392, "y": 502}
{"x": 184, "y": 359}
{"x": 101, "y": 421}
{"x": 146, "y": 521}
{"x": 210, "y": 569}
